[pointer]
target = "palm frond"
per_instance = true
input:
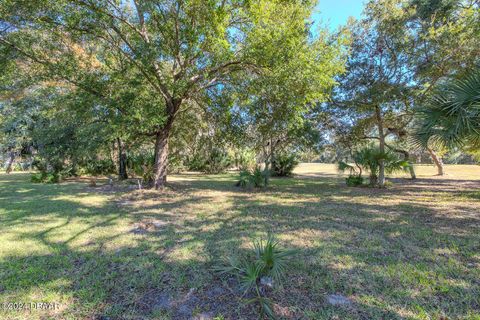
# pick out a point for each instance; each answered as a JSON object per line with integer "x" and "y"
{"x": 250, "y": 275}
{"x": 266, "y": 306}
{"x": 343, "y": 166}
{"x": 452, "y": 116}
{"x": 266, "y": 260}
{"x": 272, "y": 259}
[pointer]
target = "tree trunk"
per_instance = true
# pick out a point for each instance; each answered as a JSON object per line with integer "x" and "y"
{"x": 419, "y": 157}
{"x": 265, "y": 172}
{"x": 10, "y": 161}
{"x": 161, "y": 159}
{"x": 412, "y": 172}
{"x": 161, "y": 145}
{"x": 438, "y": 162}
{"x": 268, "y": 163}
{"x": 381, "y": 135}
{"x": 406, "y": 157}
{"x": 122, "y": 160}
{"x": 114, "y": 155}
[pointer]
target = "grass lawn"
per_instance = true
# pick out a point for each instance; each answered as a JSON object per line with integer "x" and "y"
{"x": 411, "y": 251}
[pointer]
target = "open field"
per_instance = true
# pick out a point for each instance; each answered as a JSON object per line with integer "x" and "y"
{"x": 411, "y": 251}
{"x": 452, "y": 172}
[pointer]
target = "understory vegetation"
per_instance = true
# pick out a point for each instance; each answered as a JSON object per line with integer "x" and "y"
{"x": 368, "y": 159}
{"x": 411, "y": 253}
{"x": 259, "y": 271}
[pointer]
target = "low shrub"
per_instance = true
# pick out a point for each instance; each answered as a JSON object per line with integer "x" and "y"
{"x": 244, "y": 179}
{"x": 45, "y": 177}
{"x": 97, "y": 167}
{"x": 197, "y": 163}
{"x": 368, "y": 159}
{"x": 175, "y": 164}
{"x": 69, "y": 171}
{"x": 254, "y": 179}
{"x": 40, "y": 165}
{"x": 142, "y": 164}
{"x": 53, "y": 178}
{"x": 37, "y": 177}
{"x": 246, "y": 160}
{"x": 259, "y": 270}
{"x": 48, "y": 173}
{"x": 283, "y": 165}
{"x": 258, "y": 178}
{"x": 354, "y": 181}
{"x": 218, "y": 161}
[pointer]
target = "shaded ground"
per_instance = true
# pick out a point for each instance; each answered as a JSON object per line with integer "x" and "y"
{"x": 409, "y": 252}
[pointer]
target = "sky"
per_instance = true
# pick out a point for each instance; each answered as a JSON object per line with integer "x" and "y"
{"x": 334, "y": 13}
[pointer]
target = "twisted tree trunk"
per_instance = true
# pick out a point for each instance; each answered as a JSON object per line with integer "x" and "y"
{"x": 438, "y": 162}
{"x": 406, "y": 157}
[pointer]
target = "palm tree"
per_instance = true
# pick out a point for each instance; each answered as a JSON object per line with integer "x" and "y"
{"x": 452, "y": 116}
{"x": 369, "y": 159}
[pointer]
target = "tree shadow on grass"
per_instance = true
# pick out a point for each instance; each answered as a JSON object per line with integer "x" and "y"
{"x": 390, "y": 260}
{"x": 130, "y": 283}
{"x": 411, "y": 238}
{"x": 380, "y": 240}
{"x": 391, "y": 238}
{"x": 110, "y": 271}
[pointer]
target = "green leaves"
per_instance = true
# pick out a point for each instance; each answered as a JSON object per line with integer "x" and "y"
{"x": 283, "y": 164}
{"x": 368, "y": 158}
{"x": 244, "y": 179}
{"x": 401, "y": 51}
{"x": 452, "y": 117}
{"x": 142, "y": 164}
{"x": 343, "y": 166}
{"x": 147, "y": 61}
{"x": 257, "y": 178}
{"x": 271, "y": 259}
{"x": 265, "y": 264}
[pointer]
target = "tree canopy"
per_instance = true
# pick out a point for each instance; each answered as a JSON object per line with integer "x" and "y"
{"x": 183, "y": 80}
{"x": 148, "y": 61}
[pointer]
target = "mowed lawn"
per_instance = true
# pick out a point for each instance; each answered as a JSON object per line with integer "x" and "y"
{"x": 411, "y": 251}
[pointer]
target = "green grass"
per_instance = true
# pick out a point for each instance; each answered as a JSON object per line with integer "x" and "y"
{"x": 408, "y": 252}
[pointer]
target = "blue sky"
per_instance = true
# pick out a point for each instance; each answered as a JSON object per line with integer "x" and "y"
{"x": 334, "y": 13}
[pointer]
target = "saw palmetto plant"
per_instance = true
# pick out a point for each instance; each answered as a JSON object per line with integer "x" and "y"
{"x": 264, "y": 265}
{"x": 368, "y": 159}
